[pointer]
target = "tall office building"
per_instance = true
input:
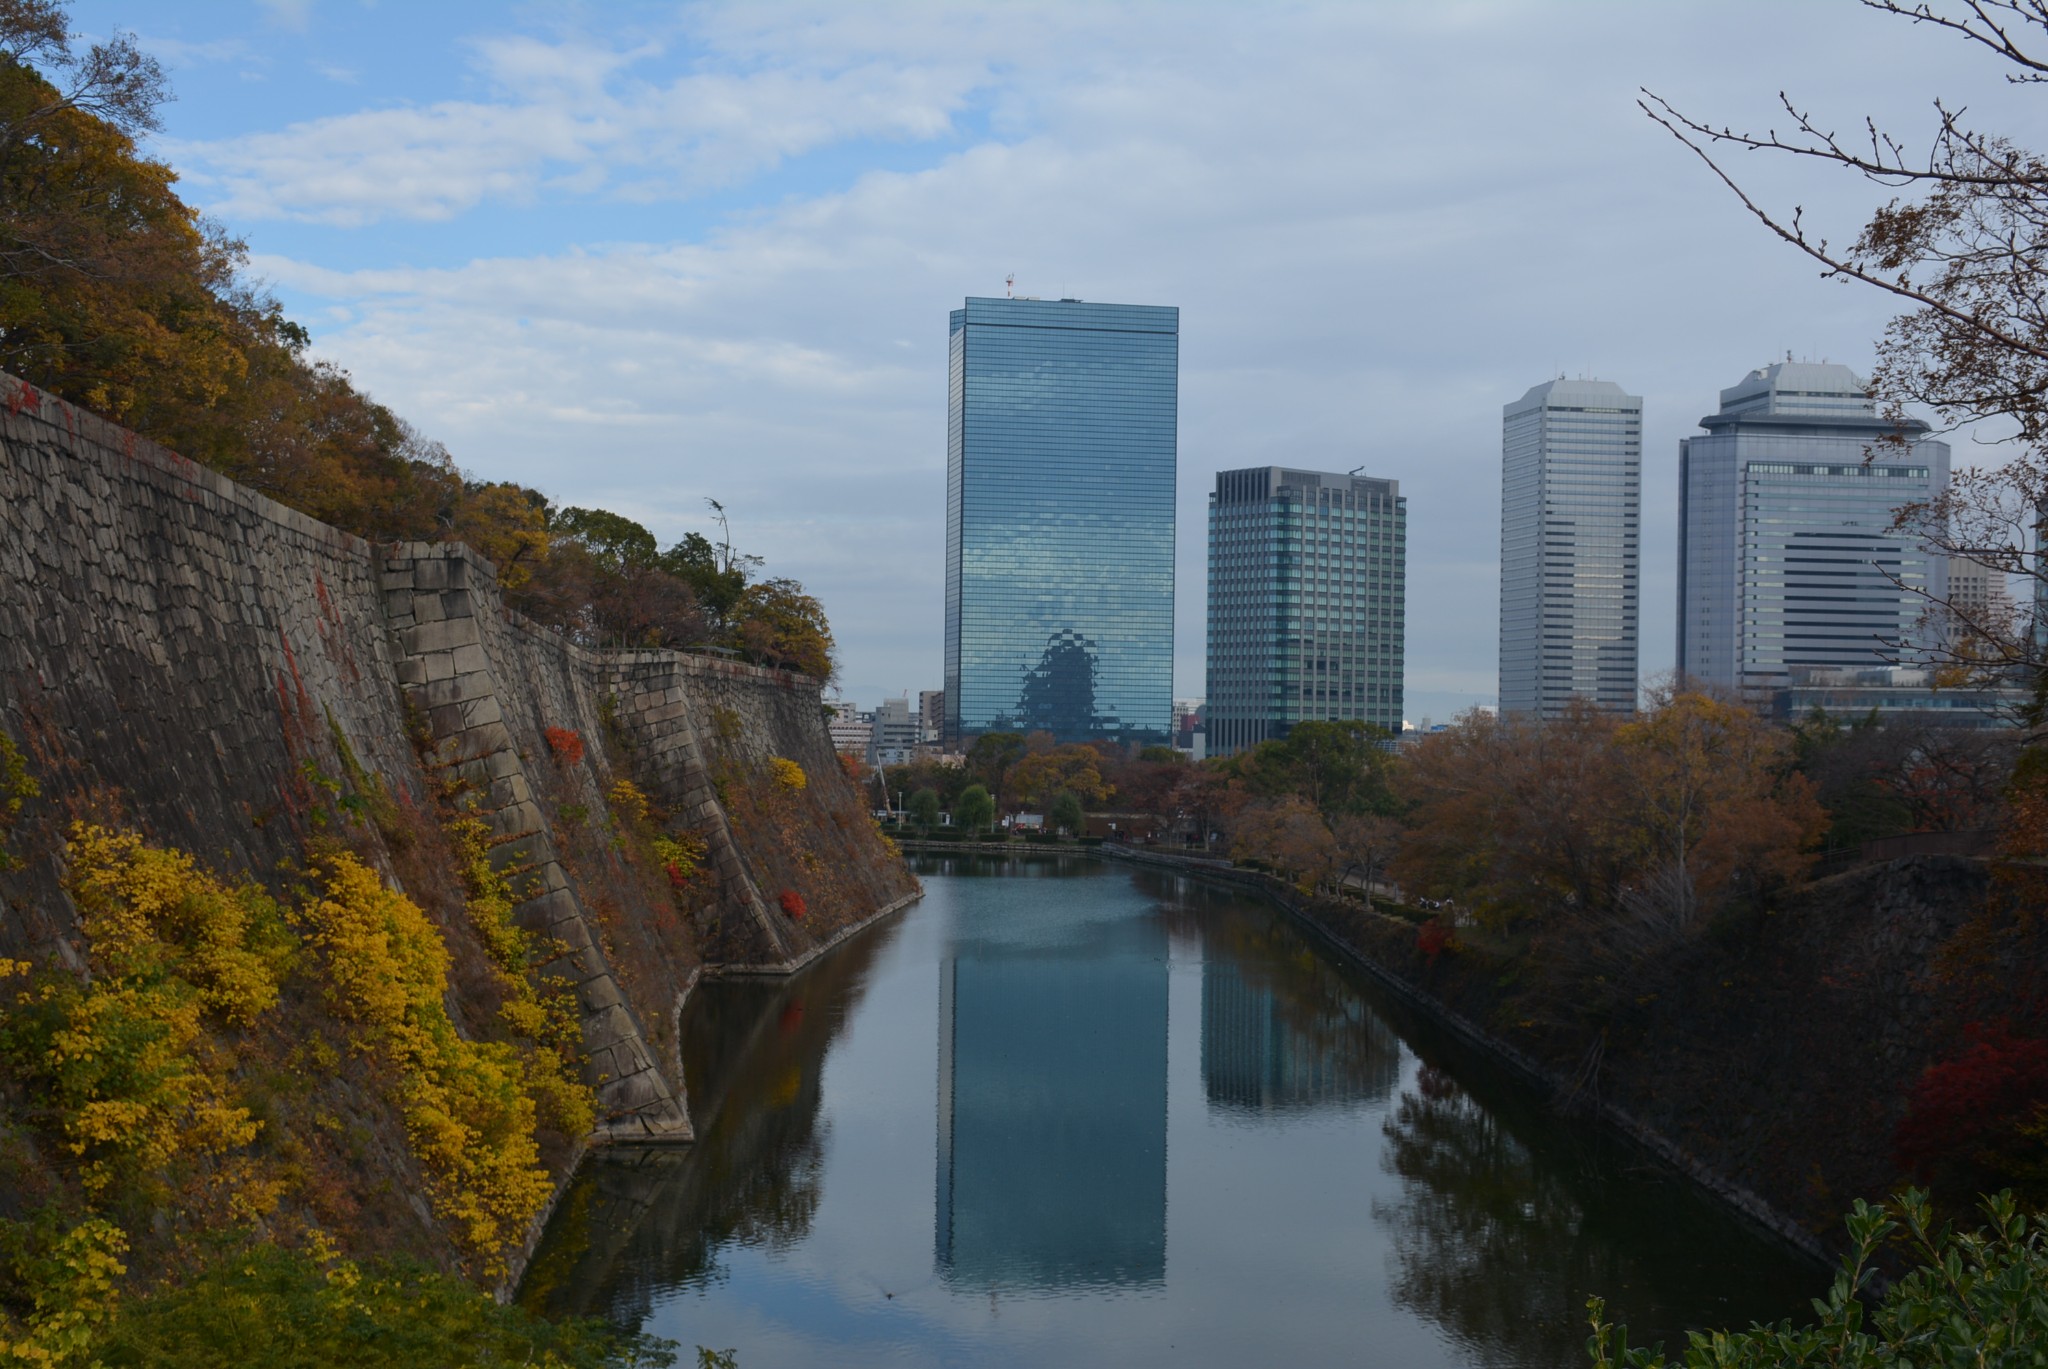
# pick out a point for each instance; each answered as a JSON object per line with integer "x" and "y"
{"x": 1570, "y": 521}
{"x": 1060, "y": 460}
{"x": 1307, "y": 585}
{"x": 1787, "y": 560}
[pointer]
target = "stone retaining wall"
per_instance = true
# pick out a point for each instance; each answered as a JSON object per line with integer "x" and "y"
{"x": 184, "y": 657}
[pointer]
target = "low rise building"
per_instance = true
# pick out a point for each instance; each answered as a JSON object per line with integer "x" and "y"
{"x": 894, "y": 736}
{"x": 1895, "y": 693}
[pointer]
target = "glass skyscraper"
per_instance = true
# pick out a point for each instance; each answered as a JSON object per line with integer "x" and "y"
{"x": 1307, "y": 602}
{"x": 1570, "y": 530}
{"x": 1787, "y": 560}
{"x": 1061, "y": 430}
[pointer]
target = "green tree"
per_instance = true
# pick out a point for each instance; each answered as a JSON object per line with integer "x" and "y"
{"x": 924, "y": 809}
{"x": 1973, "y": 1299}
{"x": 1066, "y": 814}
{"x": 992, "y": 755}
{"x": 974, "y": 811}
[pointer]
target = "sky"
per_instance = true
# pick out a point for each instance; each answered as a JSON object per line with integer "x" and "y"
{"x": 643, "y": 255}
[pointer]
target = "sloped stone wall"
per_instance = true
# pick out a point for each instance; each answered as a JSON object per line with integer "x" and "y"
{"x": 186, "y": 657}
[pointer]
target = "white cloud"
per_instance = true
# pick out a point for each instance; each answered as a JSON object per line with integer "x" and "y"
{"x": 290, "y": 14}
{"x": 1380, "y": 224}
{"x": 570, "y": 115}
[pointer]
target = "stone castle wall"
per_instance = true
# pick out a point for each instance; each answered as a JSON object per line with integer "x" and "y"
{"x": 183, "y": 656}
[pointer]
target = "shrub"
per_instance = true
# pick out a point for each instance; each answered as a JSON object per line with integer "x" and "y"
{"x": 68, "y": 1274}
{"x": 17, "y": 787}
{"x": 567, "y": 745}
{"x": 680, "y": 855}
{"x": 629, "y": 800}
{"x": 1974, "y": 1299}
{"x": 1981, "y": 1117}
{"x": 789, "y": 777}
{"x": 469, "y": 1114}
{"x": 793, "y": 904}
{"x": 1434, "y": 937}
{"x": 124, "y": 1063}
{"x": 267, "y": 1305}
{"x": 545, "y": 1012}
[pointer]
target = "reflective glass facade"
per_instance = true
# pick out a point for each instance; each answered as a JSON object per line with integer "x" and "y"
{"x": 1060, "y": 465}
{"x": 1786, "y": 554}
{"x": 1307, "y": 602}
{"x": 1570, "y": 547}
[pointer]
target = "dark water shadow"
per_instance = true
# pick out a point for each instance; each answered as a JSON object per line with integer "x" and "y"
{"x": 637, "y": 1222}
{"x": 1509, "y": 1213}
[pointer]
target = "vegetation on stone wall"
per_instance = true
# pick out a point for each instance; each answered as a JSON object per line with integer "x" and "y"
{"x": 539, "y": 1008}
{"x": 128, "y": 1068}
{"x": 469, "y": 1106}
{"x": 153, "y": 1076}
{"x": 17, "y": 787}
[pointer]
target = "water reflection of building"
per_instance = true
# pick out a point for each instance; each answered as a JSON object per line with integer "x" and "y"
{"x": 1052, "y": 1105}
{"x": 1284, "y": 1038}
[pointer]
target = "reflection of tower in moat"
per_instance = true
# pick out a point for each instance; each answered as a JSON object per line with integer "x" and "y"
{"x": 1282, "y": 1038}
{"x": 1052, "y": 1102}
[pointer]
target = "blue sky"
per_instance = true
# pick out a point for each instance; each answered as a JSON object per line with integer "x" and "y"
{"x": 639, "y": 255}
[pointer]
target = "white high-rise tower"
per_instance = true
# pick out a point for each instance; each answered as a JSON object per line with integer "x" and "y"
{"x": 1570, "y": 524}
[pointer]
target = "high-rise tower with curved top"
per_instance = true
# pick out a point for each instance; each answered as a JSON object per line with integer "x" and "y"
{"x": 1787, "y": 558}
{"x": 1570, "y": 531}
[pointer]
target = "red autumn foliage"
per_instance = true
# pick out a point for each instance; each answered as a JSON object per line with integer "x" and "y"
{"x": 567, "y": 745}
{"x": 1982, "y": 1110}
{"x": 676, "y": 878}
{"x": 1435, "y": 937}
{"x": 793, "y": 903}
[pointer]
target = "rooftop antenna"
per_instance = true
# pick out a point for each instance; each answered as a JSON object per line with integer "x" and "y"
{"x": 1010, "y": 286}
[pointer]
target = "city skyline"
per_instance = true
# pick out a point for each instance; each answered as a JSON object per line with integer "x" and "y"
{"x": 642, "y": 258}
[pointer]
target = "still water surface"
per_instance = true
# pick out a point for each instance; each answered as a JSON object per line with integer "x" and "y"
{"x": 1072, "y": 1113}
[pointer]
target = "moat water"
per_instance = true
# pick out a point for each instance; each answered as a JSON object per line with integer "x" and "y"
{"x": 1073, "y": 1113}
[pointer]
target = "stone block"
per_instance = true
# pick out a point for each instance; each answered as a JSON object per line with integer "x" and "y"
{"x": 471, "y": 658}
{"x": 644, "y": 1090}
{"x": 598, "y": 994}
{"x": 441, "y": 636}
{"x": 479, "y": 742}
{"x": 510, "y": 789}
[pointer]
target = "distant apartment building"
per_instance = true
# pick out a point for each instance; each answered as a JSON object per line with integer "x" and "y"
{"x": 931, "y": 714}
{"x": 1061, "y": 444}
{"x": 1190, "y": 730}
{"x": 1307, "y": 603}
{"x": 851, "y": 731}
{"x": 893, "y": 739}
{"x": 1787, "y": 558}
{"x": 1978, "y": 593}
{"x": 1570, "y": 554}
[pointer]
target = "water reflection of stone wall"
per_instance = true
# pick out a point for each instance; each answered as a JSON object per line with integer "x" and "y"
{"x": 639, "y": 1223}
{"x": 1052, "y": 1100}
{"x": 1283, "y": 1030}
